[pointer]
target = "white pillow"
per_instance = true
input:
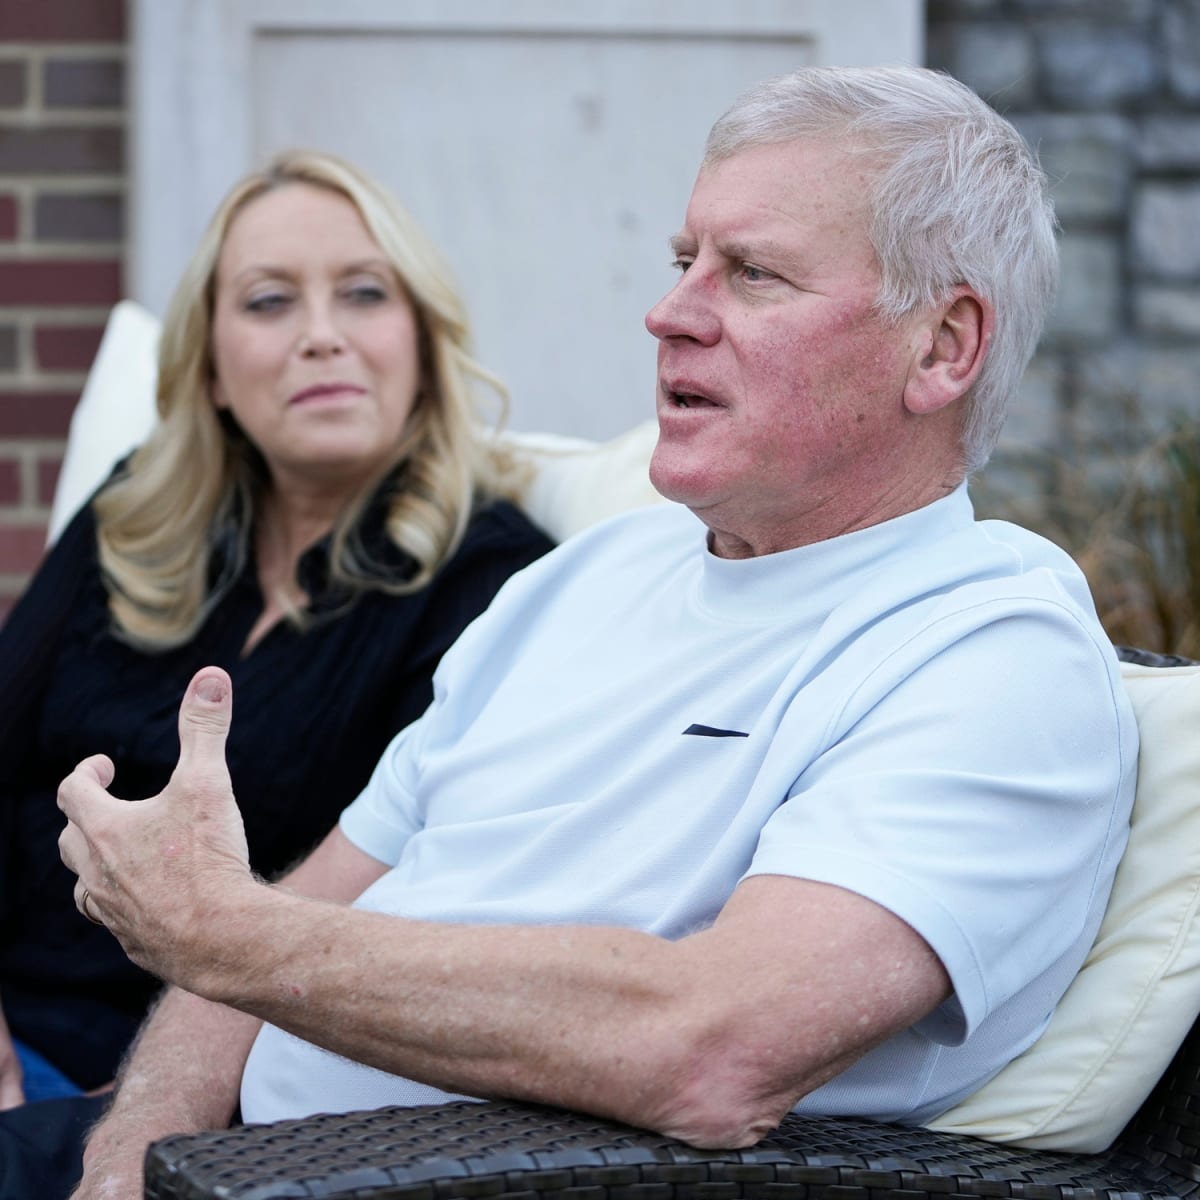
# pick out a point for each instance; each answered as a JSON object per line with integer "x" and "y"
{"x": 1129, "y": 1008}
{"x": 115, "y": 411}
{"x": 575, "y": 483}
{"x": 565, "y": 484}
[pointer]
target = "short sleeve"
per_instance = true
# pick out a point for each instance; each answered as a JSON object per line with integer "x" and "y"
{"x": 385, "y": 814}
{"x": 964, "y": 801}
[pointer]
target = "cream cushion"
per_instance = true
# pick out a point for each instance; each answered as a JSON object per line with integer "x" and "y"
{"x": 1121, "y": 1020}
{"x": 564, "y": 483}
{"x": 115, "y": 410}
{"x": 1126, "y": 1012}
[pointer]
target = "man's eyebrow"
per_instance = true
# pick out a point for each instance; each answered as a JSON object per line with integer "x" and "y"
{"x": 737, "y": 251}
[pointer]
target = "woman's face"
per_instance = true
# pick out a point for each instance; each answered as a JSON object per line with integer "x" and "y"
{"x": 314, "y": 339}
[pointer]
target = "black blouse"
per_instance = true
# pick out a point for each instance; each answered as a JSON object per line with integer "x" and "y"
{"x": 312, "y": 712}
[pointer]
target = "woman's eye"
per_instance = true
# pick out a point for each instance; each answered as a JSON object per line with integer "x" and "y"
{"x": 267, "y": 302}
{"x": 367, "y": 293}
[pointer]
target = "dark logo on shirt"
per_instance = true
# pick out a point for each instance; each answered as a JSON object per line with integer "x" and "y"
{"x": 709, "y": 731}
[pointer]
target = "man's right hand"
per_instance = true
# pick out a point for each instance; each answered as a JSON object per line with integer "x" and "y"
{"x": 184, "y": 1072}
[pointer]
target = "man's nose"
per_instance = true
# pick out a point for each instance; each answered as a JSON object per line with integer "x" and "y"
{"x": 686, "y": 311}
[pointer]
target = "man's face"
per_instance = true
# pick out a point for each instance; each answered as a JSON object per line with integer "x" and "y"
{"x": 780, "y": 390}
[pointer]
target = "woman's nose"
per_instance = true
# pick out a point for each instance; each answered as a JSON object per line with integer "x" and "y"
{"x": 321, "y": 334}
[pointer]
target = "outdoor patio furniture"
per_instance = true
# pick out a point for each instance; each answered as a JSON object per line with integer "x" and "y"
{"x": 520, "y": 1152}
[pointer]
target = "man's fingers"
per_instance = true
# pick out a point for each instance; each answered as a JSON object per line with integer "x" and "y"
{"x": 204, "y": 718}
{"x": 72, "y": 848}
{"x": 89, "y": 778}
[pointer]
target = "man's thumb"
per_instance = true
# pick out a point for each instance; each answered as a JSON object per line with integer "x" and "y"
{"x": 204, "y": 718}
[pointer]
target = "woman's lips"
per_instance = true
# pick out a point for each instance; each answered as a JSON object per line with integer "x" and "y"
{"x": 320, "y": 391}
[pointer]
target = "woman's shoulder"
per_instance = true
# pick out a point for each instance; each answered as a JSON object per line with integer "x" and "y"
{"x": 497, "y": 523}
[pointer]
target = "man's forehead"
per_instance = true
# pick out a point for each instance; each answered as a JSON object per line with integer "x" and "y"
{"x": 774, "y": 186}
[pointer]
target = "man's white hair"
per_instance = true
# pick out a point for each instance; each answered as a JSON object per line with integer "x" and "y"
{"x": 957, "y": 197}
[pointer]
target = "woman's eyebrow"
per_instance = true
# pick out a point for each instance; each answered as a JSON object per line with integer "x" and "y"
{"x": 266, "y": 270}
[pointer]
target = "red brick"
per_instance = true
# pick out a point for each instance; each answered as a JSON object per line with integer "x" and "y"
{"x": 42, "y": 281}
{"x": 62, "y": 20}
{"x": 83, "y": 83}
{"x": 48, "y": 471}
{"x": 36, "y": 414}
{"x": 21, "y": 548}
{"x": 69, "y": 150}
{"x": 14, "y": 83}
{"x": 10, "y": 482}
{"x": 66, "y": 347}
{"x": 78, "y": 217}
{"x": 8, "y": 218}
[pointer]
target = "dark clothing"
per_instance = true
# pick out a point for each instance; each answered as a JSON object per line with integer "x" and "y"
{"x": 313, "y": 712}
{"x": 41, "y": 1147}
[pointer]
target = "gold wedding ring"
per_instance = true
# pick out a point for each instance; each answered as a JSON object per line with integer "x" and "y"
{"x": 86, "y": 910}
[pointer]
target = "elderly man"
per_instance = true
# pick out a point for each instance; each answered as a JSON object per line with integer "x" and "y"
{"x": 806, "y": 791}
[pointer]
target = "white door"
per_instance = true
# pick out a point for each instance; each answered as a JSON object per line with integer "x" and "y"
{"x": 548, "y": 146}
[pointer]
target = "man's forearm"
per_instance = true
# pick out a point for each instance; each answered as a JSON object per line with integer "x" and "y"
{"x": 182, "y": 1075}
{"x": 187, "y": 1061}
{"x": 466, "y": 1008}
{"x": 683, "y": 1037}
{"x": 184, "y": 1071}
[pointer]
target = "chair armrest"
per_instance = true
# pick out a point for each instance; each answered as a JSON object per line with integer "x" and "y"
{"x": 500, "y": 1149}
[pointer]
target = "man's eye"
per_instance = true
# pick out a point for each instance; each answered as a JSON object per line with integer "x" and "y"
{"x": 755, "y": 274}
{"x": 681, "y": 262}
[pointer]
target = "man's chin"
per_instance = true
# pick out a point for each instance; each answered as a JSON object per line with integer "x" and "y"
{"x": 672, "y": 485}
{"x": 677, "y": 479}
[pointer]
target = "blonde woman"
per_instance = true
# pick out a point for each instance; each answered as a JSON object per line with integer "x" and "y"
{"x": 314, "y": 513}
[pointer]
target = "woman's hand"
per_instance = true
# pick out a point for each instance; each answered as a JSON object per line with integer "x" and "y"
{"x": 158, "y": 872}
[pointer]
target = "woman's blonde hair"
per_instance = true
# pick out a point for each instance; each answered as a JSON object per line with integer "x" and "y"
{"x": 173, "y": 527}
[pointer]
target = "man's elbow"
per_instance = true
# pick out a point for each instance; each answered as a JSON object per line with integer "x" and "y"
{"x": 717, "y": 1097}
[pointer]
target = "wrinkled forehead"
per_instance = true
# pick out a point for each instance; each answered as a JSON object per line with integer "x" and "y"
{"x": 807, "y": 188}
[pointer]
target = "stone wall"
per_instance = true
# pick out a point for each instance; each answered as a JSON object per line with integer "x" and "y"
{"x": 1109, "y": 92}
{"x": 62, "y": 187}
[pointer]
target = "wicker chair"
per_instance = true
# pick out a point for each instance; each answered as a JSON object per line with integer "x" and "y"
{"x": 517, "y": 1151}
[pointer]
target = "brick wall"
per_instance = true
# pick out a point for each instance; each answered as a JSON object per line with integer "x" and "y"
{"x": 62, "y": 198}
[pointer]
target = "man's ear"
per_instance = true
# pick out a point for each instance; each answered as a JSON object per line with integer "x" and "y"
{"x": 950, "y": 356}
